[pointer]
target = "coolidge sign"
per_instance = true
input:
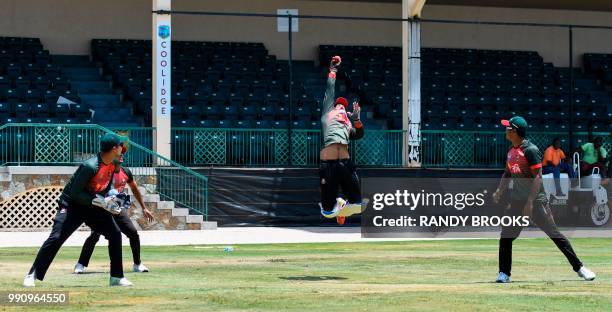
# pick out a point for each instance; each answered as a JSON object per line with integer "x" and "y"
{"x": 163, "y": 72}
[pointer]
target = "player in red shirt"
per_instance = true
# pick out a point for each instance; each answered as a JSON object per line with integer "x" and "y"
{"x": 524, "y": 169}
{"x": 122, "y": 177}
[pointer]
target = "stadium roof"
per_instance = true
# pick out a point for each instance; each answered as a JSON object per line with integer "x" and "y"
{"x": 586, "y": 5}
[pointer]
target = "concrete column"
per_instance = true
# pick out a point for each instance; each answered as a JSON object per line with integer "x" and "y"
{"x": 161, "y": 78}
{"x": 411, "y": 83}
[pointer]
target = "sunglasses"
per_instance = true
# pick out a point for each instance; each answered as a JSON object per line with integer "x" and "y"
{"x": 123, "y": 147}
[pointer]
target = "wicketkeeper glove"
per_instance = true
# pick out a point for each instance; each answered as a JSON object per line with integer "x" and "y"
{"x": 107, "y": 203}
{"x": 123, "y": 200}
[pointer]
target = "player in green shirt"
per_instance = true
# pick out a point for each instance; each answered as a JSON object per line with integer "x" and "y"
{"x": 81, "y": 202}
{"x": 122, "y": 178}
{"x": 524, "y": 169}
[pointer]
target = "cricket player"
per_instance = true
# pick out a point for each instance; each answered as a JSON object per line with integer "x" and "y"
{"x": 523, "y": 168}
{"x": 82, "y": 202}
{"x": 122, "y": 177}
{"x": 337, "y": 170}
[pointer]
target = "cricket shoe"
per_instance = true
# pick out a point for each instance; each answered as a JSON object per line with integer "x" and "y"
{"x": 502, "y": 278}
{"x": 352, "y": 209}
{"x": 29, "y": 280}
{"x": 120, "y": 281}
{"x": 79, "y": 268}
{"x": 586, "y": 274}
{"x": 140, "y": 268}
{"x": 340, "y": 203}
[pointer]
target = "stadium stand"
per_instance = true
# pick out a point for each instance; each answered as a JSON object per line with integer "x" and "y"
{"x": 36, "y": 87}
{"x": 31, "y": 83}
{"x": 466, "y": 89}
{"x": 239, "y": 84}
{"x": 214, "y": 84}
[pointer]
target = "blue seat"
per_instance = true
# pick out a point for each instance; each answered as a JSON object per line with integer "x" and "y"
{"x": 22, "y": 109}
{"x": 248, "y": 112}
{"x": 186, "y": 123}
{"x": 81, "y": 111}
{"x": 280, "y": 124}
{"x": 177, "y": 112}
{"x": 5, "y": 109}
{"x": 244, "y": 124}
{"x": 266, "y": 111}
{"x": 299, "y": 124}
{"x": 212, "y": 111}
{"x": 193, "y": 112}
{"x": 41, "y": 110}
{"x": 282, "y": 112}
{"x": 263, "y": 124}
{"x": 11, "y": 96}
{"x": 207, "y": 123}
{"x": 225, "y": 123}
{"x": 230, "y": 112}
{"x": 303, "y": 113}
{"x": 314, "y": 124}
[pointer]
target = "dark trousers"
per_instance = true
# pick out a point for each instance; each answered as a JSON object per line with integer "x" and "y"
{"x": 126, "y": 226}
{"x": 556, "y": 171}
{"x": 336, "y": 175}
{"x": 66, "y": 221}
{"x": 543, "y": 218}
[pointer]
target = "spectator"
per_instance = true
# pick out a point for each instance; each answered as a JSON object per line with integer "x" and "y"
{"x": 554, "y": 162}
{"x": 593, "y": 155}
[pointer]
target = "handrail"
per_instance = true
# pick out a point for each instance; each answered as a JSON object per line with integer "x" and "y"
{"x": 180, "y": 195}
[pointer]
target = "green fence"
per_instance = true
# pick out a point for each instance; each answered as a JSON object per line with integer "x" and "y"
{"x": 193, "y": 147}
{"x": 45, "y": 145}
{"x": 270, "y": 147}
{"x": 485, "y": 149}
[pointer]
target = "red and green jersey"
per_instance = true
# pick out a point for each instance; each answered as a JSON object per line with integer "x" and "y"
{"x": 520, "y": 162}
{"x": 92, "y": 177}
{"x": 122, "y": 178}
{"x": 102, "y": 178}
{"x": 337, "y": 127}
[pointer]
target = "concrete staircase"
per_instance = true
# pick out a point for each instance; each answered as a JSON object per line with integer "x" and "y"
{"x": 96, "y": 91}
{"x": 167, "y": 215}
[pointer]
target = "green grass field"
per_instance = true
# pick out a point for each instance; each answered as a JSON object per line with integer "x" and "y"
{"x": 389, "y": 276}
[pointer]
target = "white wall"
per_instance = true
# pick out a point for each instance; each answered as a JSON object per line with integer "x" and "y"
{"x": 66, "y": 26}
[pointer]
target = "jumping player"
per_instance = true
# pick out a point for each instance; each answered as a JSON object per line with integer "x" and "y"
{"x": 523, "y": 167}
{"x": 122, "y": 177}
{"x": 336, "y": 169}
{"x": 79, "y": 204}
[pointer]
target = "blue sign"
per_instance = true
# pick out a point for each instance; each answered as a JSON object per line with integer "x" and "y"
{"x": 164, "y": 31}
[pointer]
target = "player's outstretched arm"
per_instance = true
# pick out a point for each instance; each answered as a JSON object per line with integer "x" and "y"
{"x": 330, "y": 88}
{"x": 147, "y": 214}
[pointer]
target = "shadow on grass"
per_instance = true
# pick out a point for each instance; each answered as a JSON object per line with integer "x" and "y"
{"x": 92, "y": 272}
{"x": 312, "y": 278}
{"x": 530, "y": 282}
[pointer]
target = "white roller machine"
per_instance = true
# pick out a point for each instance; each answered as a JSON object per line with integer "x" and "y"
{"x": 600, "y": 213}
